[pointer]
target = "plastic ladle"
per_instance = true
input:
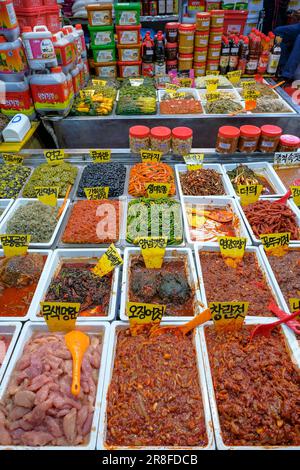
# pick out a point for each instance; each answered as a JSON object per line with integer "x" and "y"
{"x": 77, "y": 343}
{"x": 293, "y": 324}
{"x": 288, "y": 194}
{"x": 216, "y": 215}
{"x": 265, "y": 330}
{"x": 186, "y": 327}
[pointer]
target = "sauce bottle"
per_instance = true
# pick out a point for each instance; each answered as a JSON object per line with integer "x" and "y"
{"x": 243, "y": 54}
{"x": 224, "y": 58}
{"x": 264, "y": 56}
{"x": 147, "y": 48}
{"x": 234, "y": 54}
{"x": 274, "y": 56}
{"x": 254, "y": 53}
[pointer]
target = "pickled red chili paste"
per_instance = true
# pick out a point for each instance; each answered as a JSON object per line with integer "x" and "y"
{"x": 154, "y": 398}
{"x": 287, "y": 272}
{"x": 257, "y": 388}
{"x": 246, "y": 283}
{"x": 168, "y": 285}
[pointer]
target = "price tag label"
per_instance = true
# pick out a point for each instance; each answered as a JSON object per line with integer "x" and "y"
{"x": 211, "y": 84}
{"x": 276, "y": 244}
{"x": 228, "y": 315}
{"x": 214, "y": 72}
{"x": 194, "y": 161}
{"x": 287, "y": 158}
{"x": 153, "y": 250}
{"x": 97, "y": 193}
{"x": 150, "y": 156}
{"x": 249, "y": 193}
{"x": 47, "y": 195}
{"x": 234, "y": 76}
{"x": 60, "y": 316}
{"x": 100, "y": 156}
{"x": 171, "y": 87}
{"x": 185, "y": 82}
{"x": 97, "y": 82}
{"x": 15, "y": 245}
{"x": 213, "y": 96}
{"x": 294, "y": 305}
{"x": 86, "y": 94}
{"x": 108, "y": 262}
{"x": 248, "y": 84}
{"x": 232, "y": 249}
{"x": 12, "y": 159}
{"x": 180, "y": 94}
{"x": 54, "y": 157}
{"x": 296, "y": 194}
{"x": 140, "y": 314}
{"x": 250, "y": 96}
{"x": 136, "y": 81}
{"x": 157, "y": 190}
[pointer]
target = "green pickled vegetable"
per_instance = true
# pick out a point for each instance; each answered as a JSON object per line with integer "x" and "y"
{"x": 60, "y": 176}
{"x": 223, "y": 106}
{"x": 35, "y": 219}
{"x": 12, "y": 180}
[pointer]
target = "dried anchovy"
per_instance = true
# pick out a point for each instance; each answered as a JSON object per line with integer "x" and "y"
{"x": 35, "y": 219}
{"x": 60, "y": 176}
{"x": 202, "y": 182}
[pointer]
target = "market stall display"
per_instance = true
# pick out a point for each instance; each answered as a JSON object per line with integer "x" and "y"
{"x": 12, "y": 179}
{"x": 180, "y": 102}
{"x": 202, "y": 182}
{"x": 149, "y": 172}
{"x": 61, "y": 176}
{"x": 95, "y": 99}
{"x": 257, "y": 173}
{"x": 110, "y": 175}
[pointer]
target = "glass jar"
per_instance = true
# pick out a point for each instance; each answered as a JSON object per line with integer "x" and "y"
{"x": 212, "y": 66}
{"x": 289, "y": 143}
{"x": 199, "y": 68}
{"x": 217, "y": 18}
{"x": 202, "y": 21}
{"x": 171, "y": 30}
{"x": 269, "y": 139}
{"x": 214, "y": 52}
{"x": 171, "y": 50}
{"x": 160, "y": 138}
{"x": 139, "y": 138}
{"x": 215, "y": 36}
{"x": 182, "y": 140}
{"x": 201, "y": 39}
{"x": 186, "y": 37}
{"x": 200, "y": 54}
{"x": 185, "y": 61}
{"x": 249, "y": 137}
{"x": 227, "y": 139}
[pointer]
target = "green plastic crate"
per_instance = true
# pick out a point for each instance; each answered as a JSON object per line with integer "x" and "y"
{"x": 104, "y": 54}
{"x": 127, "y": 14}
{"x": 102, "y": 36}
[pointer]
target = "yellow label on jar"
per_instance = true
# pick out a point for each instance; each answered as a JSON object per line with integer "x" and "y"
{"x": 153, "y": 250}
{"x": 108, "y": 261}
{"x": 47, "y": 195}
{"x": 157, "y": 190}
{"x": 141, "y": 314}
{"x": 249, "y": 193}
{"x": 150, "y": 156}
{"x": 60, "y": 316}
{"x": 12, "y": 159}
{"x": 100, "y": 156}
{"x": 228, "y": 315}
{"x": 276, "y": 244}
{"x": 97, "y": 193}
{"x": 54, "y": 157}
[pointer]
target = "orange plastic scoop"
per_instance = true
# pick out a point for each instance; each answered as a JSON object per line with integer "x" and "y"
{"x": 288, "y": 194}
{"x": 186, "y": 327}
{"x": 77, "y": 343}
{"x": 218, "y": 215}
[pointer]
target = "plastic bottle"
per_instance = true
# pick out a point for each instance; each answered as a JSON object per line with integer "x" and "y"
{"x": 254, "y": 53}
{"x": 234, "y": 54}
{"x": 63, "y": 51}
{"x": 80, "y": 31}
{"x": 13, "y": 63}
{"x": 77, "y": 41}
{"x": 69, "y": 34}
{"x": 39, "y": 47}
{"x": 243, "y": 54}
{"x": 9, "y": 26}
{"x": 147, "y": 49}
{"x": 274, "y": 56}
{"x": 264, "y": 56}
{"x": 224, "y": 58}
{"x": 18, "y": 100}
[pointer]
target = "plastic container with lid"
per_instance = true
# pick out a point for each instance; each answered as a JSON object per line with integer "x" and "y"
{"x": 80, "y": 33}
{"x": 127, "y": 14}
{"x": 203, "y": 21}
{"x": 31, "y": 17}
{"x": 104, "y": 54}
{"x": 186, "y": 50}
{"x": 201, "y": 39}
{"x": 269, "y": 139}
{"x": 217, "y": 18}
{"x": 185, "y": 61}
{"x": 39, "y": 47}
{"x": 186, "y": 36}
{"x": 71, "y": 37}
{"x": 129, "y": 69}
{"x": 289, "y": 143}
{"x": 100, "y": 15}
{"x": 27, "y": 4}
{"x": 212, "y": 5}
{"x": 128, "y": 35}
{"x": 102, "y": 35}
{"x": 171, "y": 65}
{"x": 13, "y": 63}
{"x": 171, "y": 30}
{"x": 129, "y": 53}
{"x": 160, "y": 138}
{"x": 63, "y": 50}
{"x": 227, "y": 139}
{"x": 249, "y": 137}
{"x": 53, "y": 19}
{"x": 9, "y": 26}
{"x": 200, "y": 54}
{"x": 106, "y": 70}
{"x": 199, "y": 69}
{"x": 212, "y": 66}
{"x": 139, "y": 138}
{"x": 215, "y": 36}
{"x": 18, "y": 100}
{"x": 214, "y": 52}
{"x": 171, "y": 50}
{"x": 182, "y": 140}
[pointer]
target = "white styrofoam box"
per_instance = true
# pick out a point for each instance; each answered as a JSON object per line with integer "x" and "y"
{"x": 5, "y": 205}
{"x": 267, "y": 273}
{"x": 17, "y": 128}
{"x": 39, "y": 287}
{"x": 101, "y": 441}
{"x": 207, "y": 166}
{"x": 263, "y": 169}
{"x": 212, "y": 203}
{"x": 257, "y": 241}
{"x": 23, "y": 202}
{"x": 171, "y": 253}
{"x": 295, "y": 356}
{"x": 12, "y": 330}
{"x": 89, "y": 328}
{"x": 62, "y": 255}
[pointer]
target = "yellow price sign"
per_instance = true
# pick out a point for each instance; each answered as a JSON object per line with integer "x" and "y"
{"x": 86, "y": 94}
{"x": 157, "y": 190}
{"x": 294, "y": 305}
{"x": 235, "y": 76}
{"x": 108, "y": 261}
{"x": 194, "y": 161}
{"x": 60, "y": 316}
{"x": 248, "y": 84}
{"x": 54, "y": 157}
{"x": 211, "y": 84}
{"x": 214, "y": 72}
{"x": 150, "y": 156}
{"x": 276, "y": 244}
{"x": 185, "y": 82}
{"x": 97, "y": 193}
{"x": 153, "y": 250}
{"x": 100, "y": 156}
{"x": 141, "y": 314}
{"x": 232, "y": 249}
{"x": 250, "y": 96}
{"x": 96, "y": 82}
{"x": 12, "y": 159}
{"x": 213, "y": 96}
{"x": 47, "y": 194}
{"x": 15, "y": 245}
{"x": 171, "y": 87}
{"x": 249, "y": 193}
{"x": 296, "y": 194}
{"x": 228, "y": 315}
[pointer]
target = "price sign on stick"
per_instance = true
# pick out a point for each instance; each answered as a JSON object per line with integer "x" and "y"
{"x": 12, "y": 159}
{"x": 15, "y": 245}
{"x": 211, "y": 84}
{"x": 276, "y": 244}
{"x": 157, "y": 190}
{"x": 232, "y": 249}
{"x": 139, "y": 313}
{"x": 97, "y": 193}
{"x": 213, "y": 96}
{"x": 150, "y": 156}
{"x": 60, "y": 316}
{"x": 153, "y": 250}
{"x": 100, "y": 156}
{"x": 228, "y": 315}
{"x": 108, "y": 262}
{"x": 296, "y": 194}
{"x": 249, "y": 193}
{"x": 47, "y": 194}
{"x": 294, "y": 305}
{"x": 194, "y": 161}
{"x": 234, "y": 76}
{"x": 287, "y": 158}
{"x": 54, "y": 157}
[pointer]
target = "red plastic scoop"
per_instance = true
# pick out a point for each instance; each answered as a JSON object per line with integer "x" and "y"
{"x": 284, "y": 198}
{"x": 265, "y": 330}
{"x": 293, "y": 324}
{"x": 186, "y": 327}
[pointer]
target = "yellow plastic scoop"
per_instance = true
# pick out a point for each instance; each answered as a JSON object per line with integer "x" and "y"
{"x": 77, "y": 343}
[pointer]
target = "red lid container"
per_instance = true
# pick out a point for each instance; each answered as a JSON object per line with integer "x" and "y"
{"x": 160, "y": 132}
{"x": 182, "y": 133}
{"x": 139, "y": 131}
{"x": 172, "y": 26}
{"x": 250, "y": 131}
{"x": 229, "y": 132}
{"x": 290, "y": 140}
{"x": 271, "y": 131}
{"x": 187, "y": 27}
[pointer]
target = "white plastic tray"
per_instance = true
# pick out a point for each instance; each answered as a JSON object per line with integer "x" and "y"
{"x": 91, "y": 328}
{"x": 117, "y": 326}
{"x": 23, "y": 202}
{"x": 212, "y": 202}
{"x": 13, "y": 330}
{"x": 170, "y": 254}
{"x": 192, "y": 91}
{"x": 290, "y": 342}
{"x": 58, "y": 257}
{"x": 39, "y": 287}
{"x": 5, "y": 204}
